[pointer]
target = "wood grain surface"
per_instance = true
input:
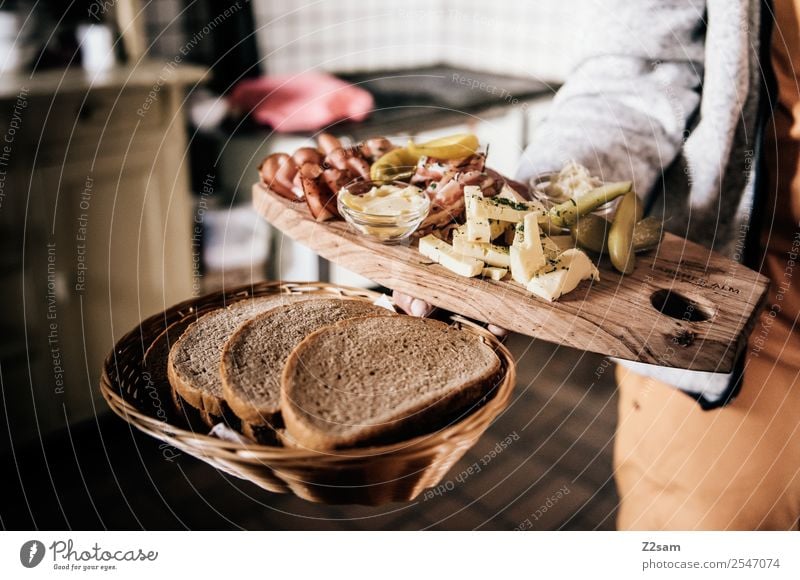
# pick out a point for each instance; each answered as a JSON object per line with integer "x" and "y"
{"x": 615, "y": 316}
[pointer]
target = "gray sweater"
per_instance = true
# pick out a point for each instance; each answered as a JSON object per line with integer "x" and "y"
{"x": 667, "y": 92}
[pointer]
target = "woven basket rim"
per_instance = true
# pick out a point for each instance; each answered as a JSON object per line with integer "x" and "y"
{"x": 213, "y": 446}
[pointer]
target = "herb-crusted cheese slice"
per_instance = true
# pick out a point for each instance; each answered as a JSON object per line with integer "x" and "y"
{"x": 526, "y": 253}
{"x": 500, "y": 207}
{"x": 492, "y": 254}
{"x": 569, "y": 270}
{"x": 509, "y": 192}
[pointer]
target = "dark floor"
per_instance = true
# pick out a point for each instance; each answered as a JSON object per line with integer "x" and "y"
{"x": 555, "y": 474}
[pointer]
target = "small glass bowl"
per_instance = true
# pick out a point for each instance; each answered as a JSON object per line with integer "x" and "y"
{"x": 387, "y": 228}
{"x": 538, "y": 189}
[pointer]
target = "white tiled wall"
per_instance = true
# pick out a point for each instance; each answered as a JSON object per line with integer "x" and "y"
{"x": 524, "y": 37}
{"x": 538, "y": 38}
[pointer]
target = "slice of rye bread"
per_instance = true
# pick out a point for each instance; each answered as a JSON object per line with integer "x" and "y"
{"x": 370, "y": 381}
{"x": 193, "y": 362}
{"x": 155, "y": 363}
{"x": 253, "y": 357}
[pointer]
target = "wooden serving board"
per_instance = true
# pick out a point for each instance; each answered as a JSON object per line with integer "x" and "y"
{"x": 615, "y": 316}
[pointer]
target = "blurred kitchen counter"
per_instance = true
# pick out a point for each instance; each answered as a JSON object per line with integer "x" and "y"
{"x": 436, "y": 97}
{"x": 96, "y": 222}
{"x": 74, "y": 79}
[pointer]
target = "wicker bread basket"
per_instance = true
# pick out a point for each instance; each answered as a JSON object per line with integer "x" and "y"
{"x": 371, "y": 476}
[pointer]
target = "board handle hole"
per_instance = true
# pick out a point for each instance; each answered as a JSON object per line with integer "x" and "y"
{"x": 678, "y": 306}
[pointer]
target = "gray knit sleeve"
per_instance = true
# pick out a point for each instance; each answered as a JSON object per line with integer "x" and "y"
{"x": 625, "y": 109}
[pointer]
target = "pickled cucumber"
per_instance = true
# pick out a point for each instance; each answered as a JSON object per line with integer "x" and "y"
{"x": 567, "y": 213}
{"x": 450, "y": 147}
{"x": 620, "y": 236}
{"x": 647, "y": 234}
{"x": 591, "y": 233}
{"x": 397, "y": 164}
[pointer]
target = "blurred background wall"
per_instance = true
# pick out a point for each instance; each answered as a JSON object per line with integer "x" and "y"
{"x": 538, "y": 38}
{"x": 534, "y": 38}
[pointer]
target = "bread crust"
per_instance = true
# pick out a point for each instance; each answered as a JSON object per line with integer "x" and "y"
{"x": 211, "y": 406}
{"x": 240, "y": 404}
{"x": 303, "y": 433}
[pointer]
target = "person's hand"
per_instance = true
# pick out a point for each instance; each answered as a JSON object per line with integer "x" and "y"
{"x": 418, "y": 307}
{"x": 411, "y": 305}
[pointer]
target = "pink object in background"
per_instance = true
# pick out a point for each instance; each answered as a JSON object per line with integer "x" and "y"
{"x": 304, "y": 102}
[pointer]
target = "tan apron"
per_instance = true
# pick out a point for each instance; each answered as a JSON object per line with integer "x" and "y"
{"x": 738, "y": 467}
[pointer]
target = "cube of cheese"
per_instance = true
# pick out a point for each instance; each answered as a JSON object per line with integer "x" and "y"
{"x": 475, "y": 229}
{"x": 429, "y": 247}
{"x": 492, "y": 254}
{"x": 459, "y": 263}
{"x": 494, "y": 273}
{"x": 472, "y": 193}
{"x": 570, "y": 268}
{"x": 443, "y": 253}
{"x": 478, "y": 229}
{"x": 526, "y": 253}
